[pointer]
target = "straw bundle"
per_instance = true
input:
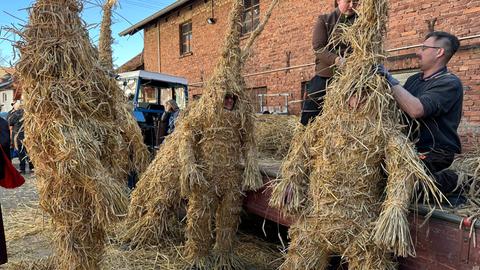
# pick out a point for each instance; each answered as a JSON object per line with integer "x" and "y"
{"x": 274, "y": 134}
{"x": 78, "y": 132}
{"x": 468, "y": 169}
{"x": 106, "y": 40}
{"x": 334, "y": 174}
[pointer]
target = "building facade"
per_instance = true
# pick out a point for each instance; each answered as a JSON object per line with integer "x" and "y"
{"x": 184, "y": 39}
{"x": 7, "y": 92}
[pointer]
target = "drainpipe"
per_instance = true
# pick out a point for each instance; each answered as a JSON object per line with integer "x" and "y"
{"x": 159, "y": 51}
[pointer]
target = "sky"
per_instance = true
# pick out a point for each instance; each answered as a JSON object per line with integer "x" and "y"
{"x": 14, "y": 13}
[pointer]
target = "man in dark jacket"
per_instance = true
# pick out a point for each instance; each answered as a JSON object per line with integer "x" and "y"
{"x": 327, "y": 57}
{"x": 434, "y": 99}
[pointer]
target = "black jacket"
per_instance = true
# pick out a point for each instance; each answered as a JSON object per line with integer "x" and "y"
{"x": 4, "y": 134}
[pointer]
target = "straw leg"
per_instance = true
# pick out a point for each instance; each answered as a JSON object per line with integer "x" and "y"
{"x": 227, "y": 221}
{"x": 79, "y": 246}
{"x": 153, "y": 222}
{"x": 198, "y": 232}
{"x": 306, "y": 251}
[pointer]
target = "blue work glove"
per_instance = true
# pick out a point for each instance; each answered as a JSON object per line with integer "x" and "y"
{"x": 381, "y": 70}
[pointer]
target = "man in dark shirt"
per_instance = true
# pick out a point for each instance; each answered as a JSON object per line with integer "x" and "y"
{"x": 434, "y": 98}
{"x": 326, "y": 56}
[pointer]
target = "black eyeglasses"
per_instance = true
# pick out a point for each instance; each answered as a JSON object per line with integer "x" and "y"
{"x": 424, "y": 47}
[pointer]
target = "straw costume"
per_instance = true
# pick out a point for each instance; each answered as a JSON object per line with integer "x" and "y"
{"x": 209, "y": 145}
{"x": 333, "y": 177}
{"x": 78, "y": 132}
{"x": 138, "y": 154}
{"x": 214, "y": 142}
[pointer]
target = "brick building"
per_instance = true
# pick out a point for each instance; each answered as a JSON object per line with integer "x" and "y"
{"x": 184, "y": 39}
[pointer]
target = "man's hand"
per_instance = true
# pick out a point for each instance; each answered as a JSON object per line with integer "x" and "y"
{"x": 382, "y": 71}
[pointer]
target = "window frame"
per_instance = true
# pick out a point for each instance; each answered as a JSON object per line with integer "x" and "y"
{"x": 184, "y": 41}
{"x": 258, "y": 103}
{"x": 254, "y": 20}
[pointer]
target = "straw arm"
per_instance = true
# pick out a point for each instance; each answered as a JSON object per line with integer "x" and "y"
{"x": 252, "y": 178}
{"x": 392, "y": 227}
{"x": 290, "y": 192}
{"x": 191, "y": 174}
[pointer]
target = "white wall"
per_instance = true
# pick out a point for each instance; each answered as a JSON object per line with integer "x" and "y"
{"x": 6, "y": 99}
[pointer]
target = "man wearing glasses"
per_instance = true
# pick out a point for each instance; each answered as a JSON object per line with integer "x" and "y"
{"x": 326, "y": 57}
{"x": 434, "y": 98}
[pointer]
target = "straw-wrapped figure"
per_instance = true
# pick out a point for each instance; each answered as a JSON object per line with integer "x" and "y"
{"x": 217, "y": 135}
{"x": 333, "y": 178}
{"x": 213, "y": 139}
{"x": 79, "y": 133}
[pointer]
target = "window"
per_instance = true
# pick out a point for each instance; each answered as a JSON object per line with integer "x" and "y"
{"x": 258, "y": 98}
{"x": 148, "y": 94}
{"x": 251, "y": 15}
{"x": 186, "y": 38}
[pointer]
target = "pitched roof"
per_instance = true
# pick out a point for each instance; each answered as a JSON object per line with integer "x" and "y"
{"x": 135, "y": 63}
{"x": 7, "y": 70}
{"x": 140, "y": 25}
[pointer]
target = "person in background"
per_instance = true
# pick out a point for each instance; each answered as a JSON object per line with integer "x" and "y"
{"x": 172, "y": 108}
{"x": 327, "y": 57}
{"x": 18, "y": 135}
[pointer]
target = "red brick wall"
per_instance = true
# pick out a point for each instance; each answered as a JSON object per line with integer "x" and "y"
{"x": 289, "y": 32}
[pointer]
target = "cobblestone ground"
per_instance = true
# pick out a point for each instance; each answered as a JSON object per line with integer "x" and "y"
{"x": 23, "y": 222}
{"x": 25, "y": 195}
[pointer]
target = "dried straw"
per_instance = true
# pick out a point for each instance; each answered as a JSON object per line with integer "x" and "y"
{"x": 334, "y": 175}
{"x": 467, "y": 167}
{"x": 152, "y": 216}
{"x": 78, "y": 132}
{"x": 32, "y": 231}
{"x": 106, "y": 40}
{"x": 274, "y": 134}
